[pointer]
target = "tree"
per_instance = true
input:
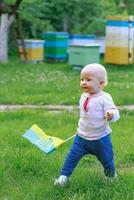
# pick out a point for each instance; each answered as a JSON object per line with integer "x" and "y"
{"x": 72, "y": 16}
{"x": 7, "y": 16}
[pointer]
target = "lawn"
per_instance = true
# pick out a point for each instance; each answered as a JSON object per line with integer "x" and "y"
{"x": 22, "y": 83}
{"x": 26, "y": 173}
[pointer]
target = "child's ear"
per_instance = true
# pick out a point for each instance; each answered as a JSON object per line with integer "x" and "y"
{"x": 102, "y": 83}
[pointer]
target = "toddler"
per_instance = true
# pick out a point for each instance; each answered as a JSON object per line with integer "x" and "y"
{"x": 97, "y": 109}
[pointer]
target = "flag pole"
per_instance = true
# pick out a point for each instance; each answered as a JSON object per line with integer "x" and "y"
{"x": 69, "y": 138}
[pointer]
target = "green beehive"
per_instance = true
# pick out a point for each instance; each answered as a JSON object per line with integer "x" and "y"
{"x": 56, "y": 45}
{"x": 81, "y": 55}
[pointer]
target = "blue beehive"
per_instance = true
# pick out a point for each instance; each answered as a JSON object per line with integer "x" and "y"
{"x": 56, "y": 44}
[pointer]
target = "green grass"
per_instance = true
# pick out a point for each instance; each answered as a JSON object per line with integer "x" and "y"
{"x": 26, "y": 173}
{"x": 58, "y": 83}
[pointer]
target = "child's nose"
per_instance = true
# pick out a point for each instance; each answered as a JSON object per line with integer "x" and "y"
{"x": 84, "y": 81}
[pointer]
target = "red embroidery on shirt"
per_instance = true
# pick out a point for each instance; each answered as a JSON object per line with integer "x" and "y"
{"x": 85, "y": 105}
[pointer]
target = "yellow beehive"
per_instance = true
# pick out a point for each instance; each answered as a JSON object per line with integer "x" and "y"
{"x": 119, "y": 40}
{"x": 34, "y": 50}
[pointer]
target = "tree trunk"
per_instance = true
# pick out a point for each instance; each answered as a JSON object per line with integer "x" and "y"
{"x": 6, "y": 21}
{"x": 65, "y": 24}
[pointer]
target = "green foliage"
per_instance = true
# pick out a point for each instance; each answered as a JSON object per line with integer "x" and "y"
{"x": 74, "y": 16}
{"x": 109, "y": 8}
{"x": 96, "y": 27}
{"x": 33, "y": 26}
{"x": 125, "y": 7}
{"x": 85, "y": 13}
{"x": 9, "y": 1}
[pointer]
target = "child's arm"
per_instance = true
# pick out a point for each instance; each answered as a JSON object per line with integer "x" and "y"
{"x": 111, "y": 112}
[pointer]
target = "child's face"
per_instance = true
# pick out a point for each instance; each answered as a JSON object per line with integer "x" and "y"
{"x": 89, "y": 82}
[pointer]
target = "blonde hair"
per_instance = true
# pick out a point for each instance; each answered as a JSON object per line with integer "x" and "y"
{"x": 98, "y": 71}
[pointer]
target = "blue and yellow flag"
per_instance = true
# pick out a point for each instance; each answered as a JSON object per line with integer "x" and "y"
{"x": 43, "y": 141}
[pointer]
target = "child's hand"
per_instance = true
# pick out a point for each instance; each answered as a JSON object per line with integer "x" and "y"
{"x": 108, "y": 115}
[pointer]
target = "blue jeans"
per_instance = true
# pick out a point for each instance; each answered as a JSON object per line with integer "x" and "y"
{"x": 101, "y": 148}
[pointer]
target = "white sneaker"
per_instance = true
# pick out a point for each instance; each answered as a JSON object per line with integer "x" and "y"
{"x": 108, "y": 178}
{"x": 61, "y": 181}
